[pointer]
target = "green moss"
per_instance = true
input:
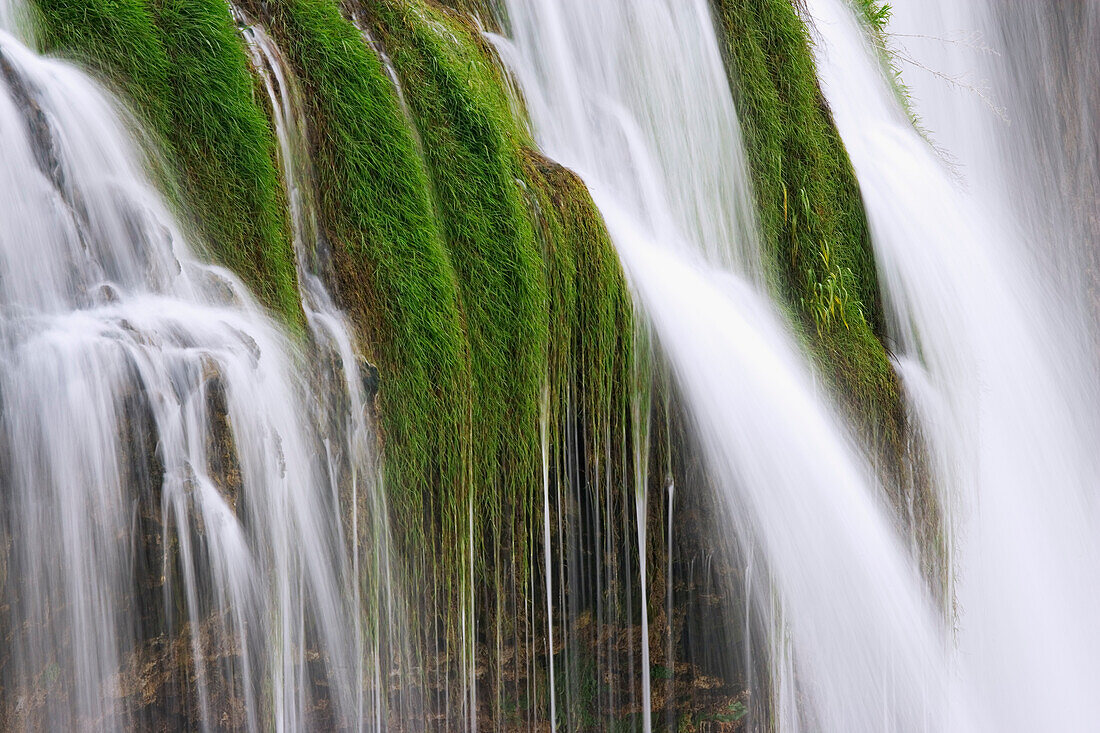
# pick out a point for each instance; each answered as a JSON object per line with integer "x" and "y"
{"x": 225, "y": 147}
{"x": 183, "y": 67}
{"x": 480, "y": 275}
{"x": 485, "y": 12}
{"x": 516, "y": 285}
{"x": 592, "y": 327}
{"x": 588, "y": 409}
{"x": 815, "y": 230}
{"x": 395, "y": 275}
{"x": 116, "y": 38}
{"x": 470, "y": 142}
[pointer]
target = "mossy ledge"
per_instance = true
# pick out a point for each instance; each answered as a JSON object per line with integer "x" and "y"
{"x": 396, "y": 280}
{"x": 816, "y": 240}
{"x": 816, "y": 237}
{"x": 485, "y": 287}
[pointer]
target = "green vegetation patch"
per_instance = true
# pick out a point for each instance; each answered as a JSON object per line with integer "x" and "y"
{"x": 591, "y": 316}
{"x": 815, "y": 229}
{"x": 485, "y": 12}
{"x": 184, "y": 68}
{"x": 483, "y": 282}
{"x": 537, "y": 276}
{"x": 588, "y": 414}
{"x": 470, "y": 142}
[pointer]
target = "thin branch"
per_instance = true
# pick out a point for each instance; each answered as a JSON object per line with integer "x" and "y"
{"x": 973, "y": 41}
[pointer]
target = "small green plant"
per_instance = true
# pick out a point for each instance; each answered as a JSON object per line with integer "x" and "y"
{"x": 876, "y": 17}
{"x": 876, "y": 13}
{"x": 830, "y": 296}
{"x": 661, "y": 673}
{"x": 735, "y": 712}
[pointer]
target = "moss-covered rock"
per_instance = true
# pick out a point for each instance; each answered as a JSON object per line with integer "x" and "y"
{"x": 395, "y": 278}
{"x": 483, "y": 284}
{"x": 815, "y": 230}
{"x": 817, "y": 238}
{"x": 482, "y": 281}
{"x": 471, "y": 145}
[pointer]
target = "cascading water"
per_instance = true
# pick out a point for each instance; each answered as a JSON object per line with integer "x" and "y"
{"x": 634, "y": 97}
{"x": 349, "y": 437}
{"x": 193, "y": 532}
{"x": 994, "y": 353}
{"x": 189, "y": 521}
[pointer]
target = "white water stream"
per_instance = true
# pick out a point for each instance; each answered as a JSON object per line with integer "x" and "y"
{"x": 185, "y": 490}
{"x": 989, "y": 337}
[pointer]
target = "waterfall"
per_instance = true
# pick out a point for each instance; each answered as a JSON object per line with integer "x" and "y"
{"x": 189, "y": 489}
{"x": 634, "y": 97}
{"x": 194, "y": 520}
{"x": 977, "y": 246}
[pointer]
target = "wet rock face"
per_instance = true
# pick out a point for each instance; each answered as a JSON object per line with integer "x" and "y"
{"x": 154, "y": 688}
{"x": 38, "y": 126}
{"x": 143, "y": 473}
{"x": 371, "y": 379}
{"x": 224, "y": 467}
